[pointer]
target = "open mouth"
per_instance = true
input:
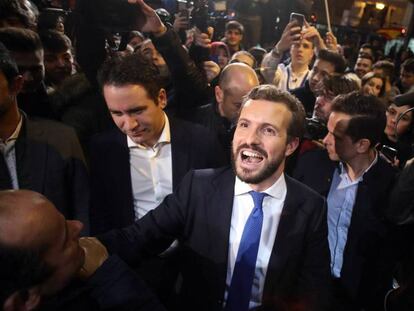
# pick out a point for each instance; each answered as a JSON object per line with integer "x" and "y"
{"x": 251, "y": 157}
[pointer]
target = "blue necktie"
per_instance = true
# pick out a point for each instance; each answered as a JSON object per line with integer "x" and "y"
{"x": 242, "y": 280}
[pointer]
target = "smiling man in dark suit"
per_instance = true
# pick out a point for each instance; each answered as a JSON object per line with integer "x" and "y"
{"x": 217, "y": 214}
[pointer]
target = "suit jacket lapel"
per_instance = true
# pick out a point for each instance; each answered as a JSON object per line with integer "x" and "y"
{"x": 180, "y": 146}
{"x": 219, "y": 210}
{"x": 122, "y": 174}
{"x": 282, "y": 245}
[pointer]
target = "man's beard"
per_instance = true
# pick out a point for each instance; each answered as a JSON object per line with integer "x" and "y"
{"x": 261, "y": 175}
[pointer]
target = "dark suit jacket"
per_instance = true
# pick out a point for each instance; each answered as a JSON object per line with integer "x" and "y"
{"x": 199, "y": 213}
{"x": 366, "y": 267}
{"x": 50, "y": 161}
{"x": 114, "y": 286}
{"x": 192, "y": 147}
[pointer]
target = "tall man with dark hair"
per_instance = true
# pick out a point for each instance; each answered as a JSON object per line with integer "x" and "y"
{"x": 363, "y": 65}
{"x": 26, "y": 49}
{"x": 356, "y": 182}
{"x": 40, "y": 155}
{"x": 406, "y": 75}
{"x": 326, "y": 64}
{"x": 146, "y": 156}
{"x": 217, "y": 213}
{"x": 58, "y": 58}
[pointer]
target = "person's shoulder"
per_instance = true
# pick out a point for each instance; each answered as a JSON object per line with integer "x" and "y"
{"x": 50, "y": 126}
{"x": 314, "y": 155}
{"x": 301, "y": 190}
{"x": 108, "y": 137}
{"x": 193, "y": 130}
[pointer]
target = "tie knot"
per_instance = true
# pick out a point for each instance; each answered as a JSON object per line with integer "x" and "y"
{"x": 257, "y": 198}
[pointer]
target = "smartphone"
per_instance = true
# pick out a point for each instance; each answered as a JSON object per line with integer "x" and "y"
{"x": 298, "y": 18}
{"x": 388, "y": 152}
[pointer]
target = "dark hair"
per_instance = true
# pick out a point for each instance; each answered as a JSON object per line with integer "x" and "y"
{"x": 367, "y": 46}
{"x": 131, "y": 69}
{"x": 20, "y": 270}
{"x": 339, "y": 84}
{"x": 408, "y": 65}
{"x": 48, "y": 21}
{"x": 365, "y": 79}
{"x": 12, "y": 12}
{"x": 20, "y": 40}
{"x": 367, "y": 113}
{"x": 235, "y": 25}
{"x": 271, "y": 93}
{"x": 386, "y": 66}
{"x": 7, "y": 65}
{"x": 55, "y": 41}
{"x": 366, "y": 56}
{"x": 334, "y": 58}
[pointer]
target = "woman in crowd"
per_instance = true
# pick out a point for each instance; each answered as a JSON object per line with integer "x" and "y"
{"x": 373, "y": 84}
{"x": 220, "y": 53}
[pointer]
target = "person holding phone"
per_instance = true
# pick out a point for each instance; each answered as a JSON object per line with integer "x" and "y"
{"x": 300, "y": 39}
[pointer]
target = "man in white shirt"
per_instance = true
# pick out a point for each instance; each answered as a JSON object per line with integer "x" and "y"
{"x": 214, "y": 214}
{"x": 134, "y": 166}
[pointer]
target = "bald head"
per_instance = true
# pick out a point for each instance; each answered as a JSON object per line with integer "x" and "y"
{"x": 22, "y": 218}
{"x": 43, "y": 246}
{"x": 236, "y": 73}
{"x": 236, "y": 81}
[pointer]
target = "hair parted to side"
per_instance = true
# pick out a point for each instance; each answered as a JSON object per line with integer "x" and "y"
{"x": 336, "y": 59}
{"x": 55, "y": 41}
{"x": 271, "y": 93}
{"x": 131, "y": 69}
{"x": 368, "y": 116}
{"x": 20, "y": 40}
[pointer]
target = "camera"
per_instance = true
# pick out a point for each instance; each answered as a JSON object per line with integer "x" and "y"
{"x": 315, "y": 129}
{"x": 389, "y": 152}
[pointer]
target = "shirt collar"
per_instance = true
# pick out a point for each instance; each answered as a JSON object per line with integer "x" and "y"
{"x": 165, "y": 137}
{"x": 343, "y": 172}
{"x": 277, "y": 190}
{"x": 16, "y": 132}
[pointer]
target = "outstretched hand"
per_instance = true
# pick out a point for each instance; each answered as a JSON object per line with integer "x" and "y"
{"x": 95, "y": 256}
{"x": 147, "y": 19}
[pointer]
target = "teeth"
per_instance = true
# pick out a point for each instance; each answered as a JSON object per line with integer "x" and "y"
{"x": 251, "y": 154}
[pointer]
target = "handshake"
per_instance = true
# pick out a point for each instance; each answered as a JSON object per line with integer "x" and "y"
{"x": 95, "y": 255}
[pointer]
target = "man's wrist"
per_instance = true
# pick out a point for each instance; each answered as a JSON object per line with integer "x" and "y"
{"x": 276, "y": 53}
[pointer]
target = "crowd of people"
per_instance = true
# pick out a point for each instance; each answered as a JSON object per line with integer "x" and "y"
{"x": 148, "y": 165}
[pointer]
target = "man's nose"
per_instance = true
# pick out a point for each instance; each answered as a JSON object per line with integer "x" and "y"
{"x": 76, "y": 227}
{"x": 252, "y": 138}
{"x": 130, "y": 123}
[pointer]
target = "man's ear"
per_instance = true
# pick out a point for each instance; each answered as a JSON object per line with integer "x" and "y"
{"x": 17, "y": 85}
{"x": 219, "y": 94}
{"x": 16, "y": 301}
{"x": 291, "y": 146}
{"x": 363, "y": 145}
{"x": 162, "y": 98}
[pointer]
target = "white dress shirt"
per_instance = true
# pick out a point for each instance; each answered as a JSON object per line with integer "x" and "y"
{"x": 242, "y": 207}
{"x": 8, "y": 150}
{"x": 151, "y": 172}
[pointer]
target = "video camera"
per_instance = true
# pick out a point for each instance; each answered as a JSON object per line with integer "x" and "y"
{"x": 196, "y": 12}
{"x": 315, "y": 129}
